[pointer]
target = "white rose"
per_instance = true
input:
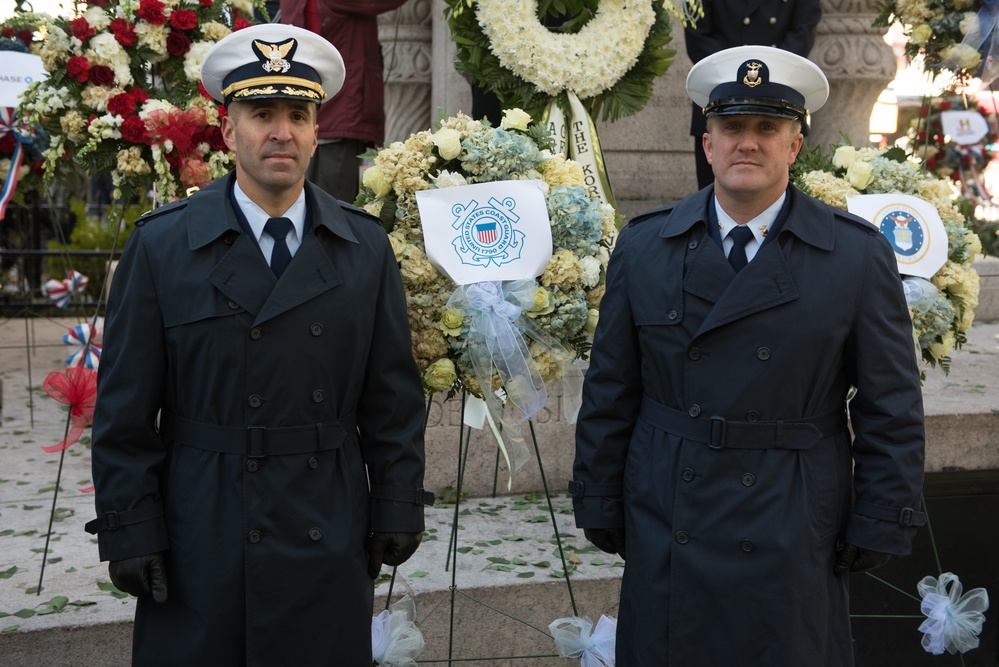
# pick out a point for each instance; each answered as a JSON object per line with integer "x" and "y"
{"x": 375, "y": 179}
{"x": 921, "y": 34}
{"x": 448, "y": 143}
{"x": 515, "y": 119}
{"x": 844, "y": 157}
{"x": 860, "y": 174}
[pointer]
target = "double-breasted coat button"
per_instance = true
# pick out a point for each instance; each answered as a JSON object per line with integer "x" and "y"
{"x": 672, "y": 314}
{"x": 233, "y": 305}
{"x": 694, "y": 353}
{"x": 313, "y": 462}
{"x": 687, "y": 474}
{"x": 253, "y": 536}
{"x": 694, "y": 410}
{"x": 773, "y": 20}
{"x": 692, "y": 245}
{"x": 682, "y": 537}
{"x": 315, "y": 534}
{"x": 745, "y": 21}
{"x": 252, "y": 465}
{"x": 317, "y": 396}
{"x": 748, "y": 479}
{"x": 316, "y": 329}
{"x": 255, "y": 401}
{"x": 747, "y": 546}
{"x": 763, "y": 353}
{"x": 752, "y": 416}
{"x": 256, "y": 333}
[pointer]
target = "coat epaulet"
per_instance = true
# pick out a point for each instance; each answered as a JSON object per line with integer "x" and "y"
{"x": 350, "y": 207}
{"x": 846, "y": 216}
{"x": 648, "y": 215}
{"x": 162, "y": 210}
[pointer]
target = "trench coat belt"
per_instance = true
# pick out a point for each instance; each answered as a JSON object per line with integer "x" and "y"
{"x": 257, "y": 441}
{"x": 721, "y": 433}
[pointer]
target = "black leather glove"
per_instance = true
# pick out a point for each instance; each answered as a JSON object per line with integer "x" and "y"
{"x": 141, "y": 576}
{"x": 852, "y": 558}
{"x": 390, "y": 549}
{"x": 610, "y": 540}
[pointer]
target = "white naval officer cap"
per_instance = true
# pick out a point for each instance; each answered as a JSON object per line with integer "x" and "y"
{"x": 759, "y": 81}
{"x": 272, "y": 60}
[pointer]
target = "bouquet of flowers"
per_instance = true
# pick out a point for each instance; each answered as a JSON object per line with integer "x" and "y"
{"x": 947, "y": 159}
{"x": 941, "y": 312}
{"x": 949, "y": 34}
{"x": 463, "y": 151}
{"x": 122, "y": 96}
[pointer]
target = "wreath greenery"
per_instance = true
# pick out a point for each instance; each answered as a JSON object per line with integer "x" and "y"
{"x": 621, "y": 97}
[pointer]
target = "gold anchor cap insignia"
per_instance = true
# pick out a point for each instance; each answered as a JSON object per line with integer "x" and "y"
{"x": 752, "y": 78}
{"x": 274, "y": 55}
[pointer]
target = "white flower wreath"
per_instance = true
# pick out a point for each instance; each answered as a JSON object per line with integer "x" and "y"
{"x": 586, "y": 63}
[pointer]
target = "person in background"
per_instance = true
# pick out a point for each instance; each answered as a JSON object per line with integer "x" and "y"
{"x": 783, "y": 24}
{"x": 712, "y": 448}
{"x": 354, "y": 121}
{"x": 258, "y": 433}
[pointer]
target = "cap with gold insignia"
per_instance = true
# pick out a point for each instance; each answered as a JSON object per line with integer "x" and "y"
{"x": 272, "y": 60}
{"x": 759, "y": 81}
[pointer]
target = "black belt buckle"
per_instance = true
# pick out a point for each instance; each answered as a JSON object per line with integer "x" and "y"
{"x": 717, "y": 433}
{"x": 256, "y": 442}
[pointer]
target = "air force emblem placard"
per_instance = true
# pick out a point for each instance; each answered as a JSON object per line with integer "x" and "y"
{"x": 912, "y": 227}
{"x": 487, "y": 231}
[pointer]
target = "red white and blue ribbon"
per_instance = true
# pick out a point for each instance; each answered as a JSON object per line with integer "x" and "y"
{"x": 60, "y": 291}
{"x": 87, "y": 351}
{"x": 7, "y": 116}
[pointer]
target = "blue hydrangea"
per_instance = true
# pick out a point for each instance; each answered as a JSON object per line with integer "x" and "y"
{"x": 576, "y": 220}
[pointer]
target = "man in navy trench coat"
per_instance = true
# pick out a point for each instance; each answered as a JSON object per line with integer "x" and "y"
{"x": 712, "y": 449}
{"x": 243, "y": 410}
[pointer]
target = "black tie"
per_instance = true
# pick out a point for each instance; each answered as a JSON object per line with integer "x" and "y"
{"x": 278, "y": 229}
{"x": 740, "y": 235}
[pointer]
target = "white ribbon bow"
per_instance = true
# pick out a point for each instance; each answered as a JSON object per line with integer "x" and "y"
{"x": 952, "y": 621}
{"x": 395, "y": 639}
{"x": 574, "y": 640}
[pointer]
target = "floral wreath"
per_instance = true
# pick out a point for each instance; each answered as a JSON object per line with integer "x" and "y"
{"x": 609, "y": 57}
{"x": 949, "y": 160}
{"x": 942, "y": 308}
{"x": 563, "y": 299}
{"x": 123, "y": 95}
{"x": 949, "y": 34}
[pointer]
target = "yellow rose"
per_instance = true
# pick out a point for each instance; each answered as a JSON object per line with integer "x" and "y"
{"x": 920, "y": 34}
{"x": 515, "y": 119}
{"x": 860, "y": 174}
{"x": 375, "y": 179}
{"x": 844, "y": 157}
{"x": 943, "y": 346}
{"x": 452, "y": 321}
{"x": 592, "y": 317}
{"x": 448, "y": 143}
{"x": 543, "y": 304}
{"x": 440, "y": 375}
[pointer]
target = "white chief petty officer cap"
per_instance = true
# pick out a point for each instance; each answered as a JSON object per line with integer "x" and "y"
{"x": 272, "y": 60}
{"x": 757, "y": 80}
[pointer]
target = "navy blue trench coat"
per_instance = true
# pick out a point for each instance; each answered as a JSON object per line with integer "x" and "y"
{"x": 308, "y": 381}
{"x": 730, "y": 550}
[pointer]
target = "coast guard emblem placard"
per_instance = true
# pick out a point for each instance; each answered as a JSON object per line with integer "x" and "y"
{"x": 487, "y": 231}
{"x": 912, "y": 227}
